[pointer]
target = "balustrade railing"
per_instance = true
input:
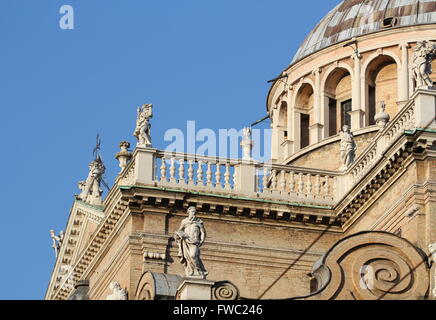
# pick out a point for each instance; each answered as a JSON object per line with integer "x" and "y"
{"x": 295, "y": 182}
{"x": 263, "y": 180}
{"x": 194, "y": 171}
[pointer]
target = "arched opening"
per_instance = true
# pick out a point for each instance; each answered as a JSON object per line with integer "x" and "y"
{"x": 304, "y": 113}
{"x": 282, "y": 126}
{"x": 337, "y": 95}
{"x": 381, "y": 85}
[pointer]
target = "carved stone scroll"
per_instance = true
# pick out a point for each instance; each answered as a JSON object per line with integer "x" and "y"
{"x": 372, "y": 266}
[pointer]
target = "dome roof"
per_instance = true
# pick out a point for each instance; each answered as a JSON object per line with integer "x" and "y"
{"x": 353, "y": 18}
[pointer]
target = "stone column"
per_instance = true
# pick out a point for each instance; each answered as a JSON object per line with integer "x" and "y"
{"x": 358, "y": 110}
{"x": 290, "y": 120}
{"x": 316, "y": 128}
{"x": 325, "y": 115}
{"x": 403, "y": 81}
{"x": 296, "y": 130}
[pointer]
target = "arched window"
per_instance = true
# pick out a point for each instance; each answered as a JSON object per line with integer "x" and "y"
{"x": 381, "y": 85}
{"x": 337, "y": 95}
{"x": 304, "y": 112}
{"x": 283, "y": 122}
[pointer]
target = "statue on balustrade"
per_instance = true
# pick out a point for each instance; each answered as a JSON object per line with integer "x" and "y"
{"x": 247, "y": 144}
{"x": 423, "y": 55}
{"x": 143, "y": 126}
{"x": 347, "y": 148}
{"x": 190, "y": 237}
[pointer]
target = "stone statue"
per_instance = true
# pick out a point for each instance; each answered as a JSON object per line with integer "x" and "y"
{"x": 118, "y": 293}
{"x": 347, "y": 148}
{"x": 143, "y": 126}
{"x": 423, "y": 54}
{"x": 190, "y": 237}
{"x": 91, "y": 191}
{"x": 57, "y": 241}
{"x": 247, "y": 144}
{"x": 432, "y": 258}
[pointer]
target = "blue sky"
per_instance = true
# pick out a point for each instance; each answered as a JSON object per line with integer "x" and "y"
{"x": 199, "y": 60}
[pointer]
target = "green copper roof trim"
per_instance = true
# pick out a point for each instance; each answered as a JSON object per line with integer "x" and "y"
{"x": 412, "y": 132}
{"x": 228, "y": 197}
{"x": 98, "y": 208}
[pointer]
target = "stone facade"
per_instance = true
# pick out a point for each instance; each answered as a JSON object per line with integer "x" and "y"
{"x": 296, "y": 228}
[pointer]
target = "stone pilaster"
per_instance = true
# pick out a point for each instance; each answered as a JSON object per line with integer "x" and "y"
{"x": 358, "y": 110}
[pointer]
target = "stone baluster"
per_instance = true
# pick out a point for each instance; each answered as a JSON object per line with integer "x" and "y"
{"x": 265, "y": 179}
{"x": 309, "y": 184}
{"x": 334, "y": 191}
{"x": 326, "y": 186}
{"x": 292, "y": 181}
{"x": 200, "y": 181}
{"x": 282, "y": 181}
{"x": 227, "y": 184}
{"x": 190, "y": 173}
{"x": 218, "y": 175}
{"x": 163, "y": 170}
{"x": 209, "y": 174}
{"x": 173, "y": 170}
{"x": 274, "y": 180}
{"x": 318, "y": 185}
{"x": 235, "y": 179}
{"x": 300, "y": 183}
{"x": 182, "y": 171}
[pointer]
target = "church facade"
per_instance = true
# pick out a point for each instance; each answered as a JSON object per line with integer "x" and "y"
{"x": 345, "y": 209}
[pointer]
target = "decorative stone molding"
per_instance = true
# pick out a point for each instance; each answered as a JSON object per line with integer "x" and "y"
{"x": 411, "y": 211}
{"x": 372, "y": 266}
{"x": 154, "y": 256}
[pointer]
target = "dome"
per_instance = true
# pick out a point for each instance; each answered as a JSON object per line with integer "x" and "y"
{"x": 353, "y": 18}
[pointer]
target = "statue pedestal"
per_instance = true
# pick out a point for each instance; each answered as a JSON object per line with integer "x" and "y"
{"x": 195, "y": 289}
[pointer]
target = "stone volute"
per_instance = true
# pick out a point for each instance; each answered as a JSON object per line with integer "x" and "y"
{"x": 124, "y": 156}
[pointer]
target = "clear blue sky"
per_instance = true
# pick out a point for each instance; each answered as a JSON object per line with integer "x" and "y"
{"x": 193, "y": 59}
